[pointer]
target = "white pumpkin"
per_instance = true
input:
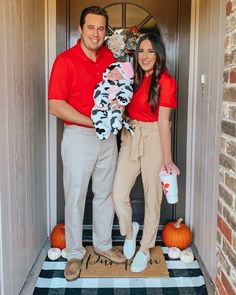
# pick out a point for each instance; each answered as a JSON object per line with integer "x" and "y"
{"x": 54, "y": 253}
{"x": 187, "y": 256}
{"x": 63, "y": 253}
{"x": 174, "y": 252}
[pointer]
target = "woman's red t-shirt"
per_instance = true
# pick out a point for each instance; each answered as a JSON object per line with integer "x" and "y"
{"x": 139, "y": 108}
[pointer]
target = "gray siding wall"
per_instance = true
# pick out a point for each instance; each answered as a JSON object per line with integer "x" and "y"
{"x": 23, "y": 140}
{"x": 204, "y": 135}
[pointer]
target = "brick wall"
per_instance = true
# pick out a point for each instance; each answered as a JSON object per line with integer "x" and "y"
{"x": 226, "y": 219}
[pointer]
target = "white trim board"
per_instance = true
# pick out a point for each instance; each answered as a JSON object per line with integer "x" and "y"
{"x": 191, "y": 118}
{"x": 50, "y": 8}
{"x": 1, "y": 253}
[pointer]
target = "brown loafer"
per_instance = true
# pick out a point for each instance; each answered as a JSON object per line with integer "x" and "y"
{"x": 113, "y": 255}
{"x": 72, "y": 269}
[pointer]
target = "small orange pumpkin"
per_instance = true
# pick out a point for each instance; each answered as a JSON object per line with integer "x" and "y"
{"x": 177, "y": 234}
{"x": 58, "y": 239}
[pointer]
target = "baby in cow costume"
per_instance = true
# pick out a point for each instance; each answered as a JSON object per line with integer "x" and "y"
{"x": 117, "y": 84}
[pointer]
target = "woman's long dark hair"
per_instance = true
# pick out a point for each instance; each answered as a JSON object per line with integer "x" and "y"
{"x": 159, "y": 66}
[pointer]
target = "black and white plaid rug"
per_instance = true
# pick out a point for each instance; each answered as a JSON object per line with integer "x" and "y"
{"x": 184, "y": 279}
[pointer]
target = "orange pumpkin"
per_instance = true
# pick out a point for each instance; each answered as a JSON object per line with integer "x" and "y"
{"x": 58, "y": 239}
{"x": 177, "y": 234}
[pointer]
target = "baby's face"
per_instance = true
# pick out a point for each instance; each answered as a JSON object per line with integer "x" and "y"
{"x": 114, "y": 74}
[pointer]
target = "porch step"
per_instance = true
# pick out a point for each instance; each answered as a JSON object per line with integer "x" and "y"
{"x": 116, "y": 237}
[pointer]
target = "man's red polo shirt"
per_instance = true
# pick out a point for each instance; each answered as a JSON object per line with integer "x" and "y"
{"x": 74, "y": 77}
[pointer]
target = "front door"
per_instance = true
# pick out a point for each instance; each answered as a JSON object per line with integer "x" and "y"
{"x": 166, "y": 18}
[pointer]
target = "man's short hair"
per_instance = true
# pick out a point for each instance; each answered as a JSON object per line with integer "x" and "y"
{"x": 93, "y": 10}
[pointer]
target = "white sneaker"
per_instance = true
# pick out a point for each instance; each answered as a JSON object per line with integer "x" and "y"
{"x": 130, "y": 245}
{"x": 140, "y": 261}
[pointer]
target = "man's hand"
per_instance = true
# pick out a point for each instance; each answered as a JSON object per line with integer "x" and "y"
{"x": 115, "y": 105}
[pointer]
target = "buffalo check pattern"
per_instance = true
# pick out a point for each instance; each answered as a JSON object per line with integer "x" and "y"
{"x": 183, "y": 278}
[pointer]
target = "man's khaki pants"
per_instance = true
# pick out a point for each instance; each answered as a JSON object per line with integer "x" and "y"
{"x": 85, "y": 156}
{"x": 141, "y": 152}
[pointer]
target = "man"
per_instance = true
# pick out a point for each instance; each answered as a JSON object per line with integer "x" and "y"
{"x": 74, "y": 76}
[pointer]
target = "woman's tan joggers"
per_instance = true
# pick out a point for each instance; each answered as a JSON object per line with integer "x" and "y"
{"x": 141, "y": 152}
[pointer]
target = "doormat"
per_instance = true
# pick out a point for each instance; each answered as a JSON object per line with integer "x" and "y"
{"x": 96, "y": 266}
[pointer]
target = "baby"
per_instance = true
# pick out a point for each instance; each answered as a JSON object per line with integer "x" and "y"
{"x": 117, "y": 84}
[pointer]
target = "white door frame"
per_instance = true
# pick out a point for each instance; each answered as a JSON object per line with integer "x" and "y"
{"x": 1, "y": 252}
{"x": 191, "y": 116}
{"x": 50, "y": 20}
{"x": 51, "y": 121}
{"x": 50, "y": 23}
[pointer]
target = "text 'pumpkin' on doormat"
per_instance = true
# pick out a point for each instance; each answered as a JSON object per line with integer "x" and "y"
{"x": 96, "y": 266}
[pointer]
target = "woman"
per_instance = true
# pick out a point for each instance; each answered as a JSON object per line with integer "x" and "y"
{"x": 148, "y": 151}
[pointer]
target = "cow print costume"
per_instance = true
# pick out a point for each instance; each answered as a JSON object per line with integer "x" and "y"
{"x": 107, "y": 120}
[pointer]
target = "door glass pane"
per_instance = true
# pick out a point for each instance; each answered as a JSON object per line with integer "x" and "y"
{"x": 150, "y": 26}
{"x": 115, "y": 16}
{"x": 134, "y": 15}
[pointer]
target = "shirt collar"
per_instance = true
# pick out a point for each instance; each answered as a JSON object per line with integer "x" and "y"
{"x": 84, "y": 56}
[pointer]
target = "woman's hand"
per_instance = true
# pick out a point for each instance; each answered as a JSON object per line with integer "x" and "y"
{"x": 170, "y": 167}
